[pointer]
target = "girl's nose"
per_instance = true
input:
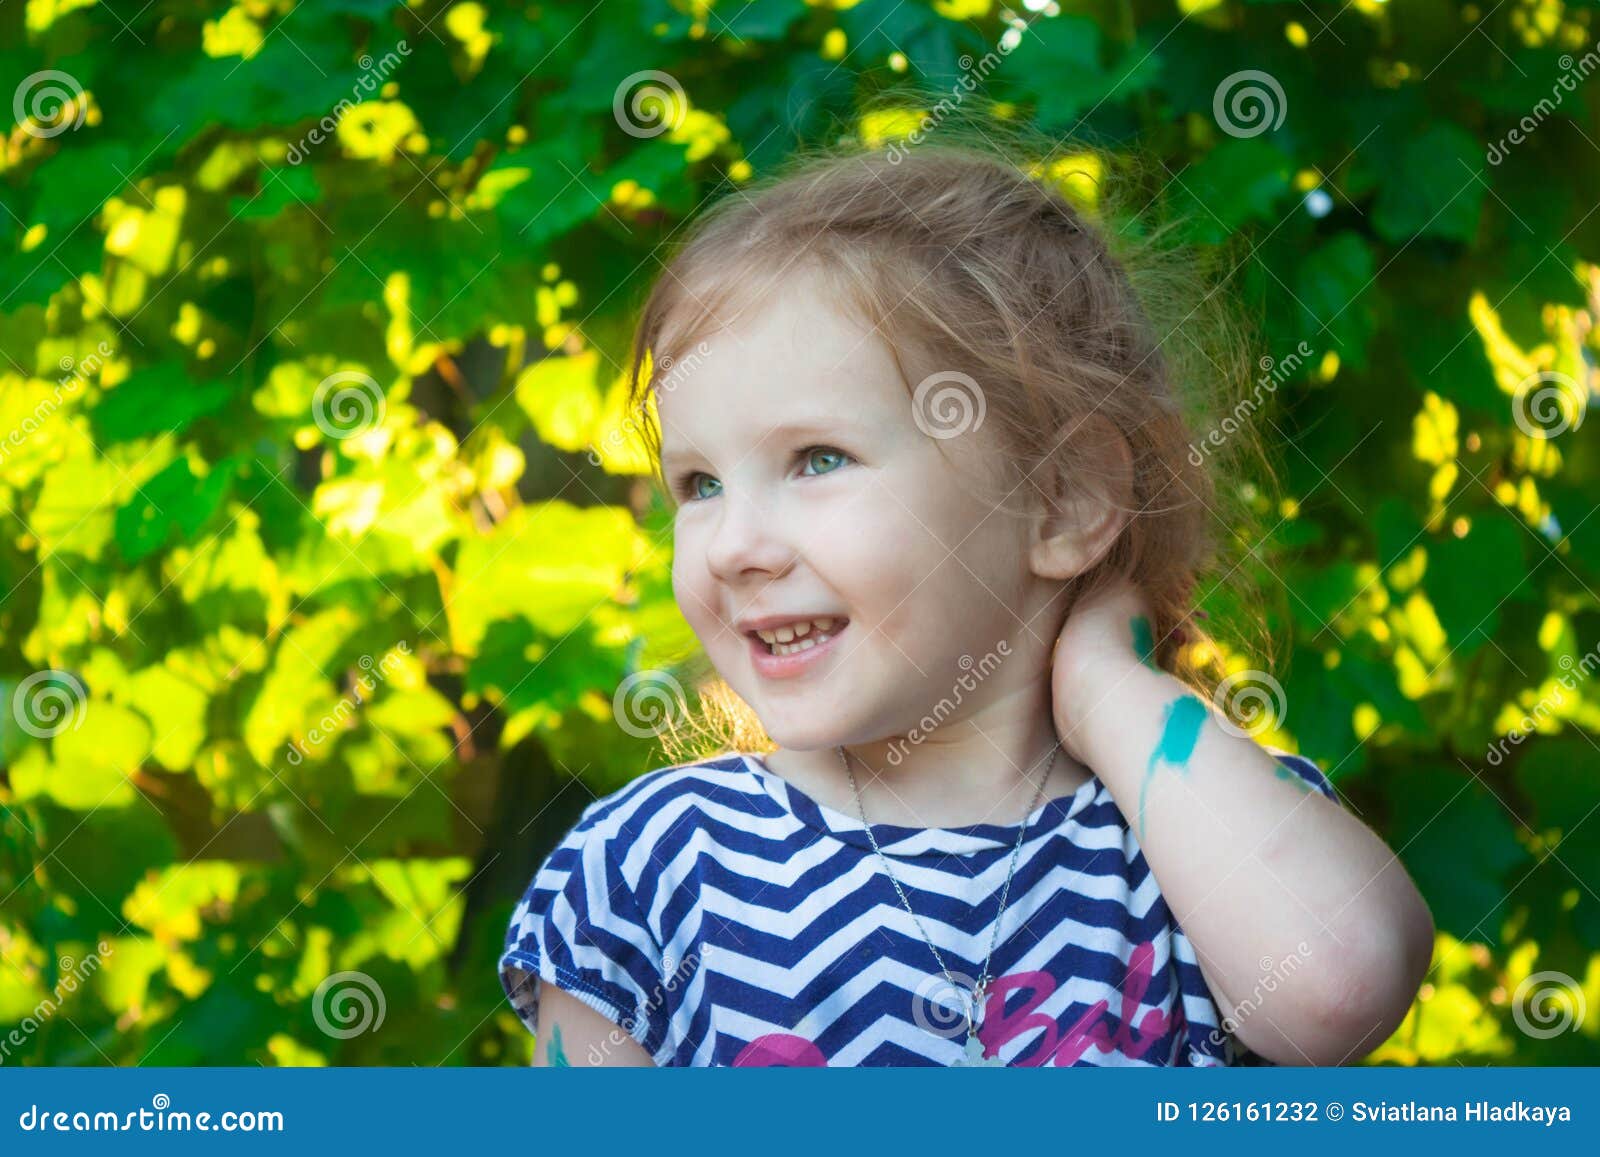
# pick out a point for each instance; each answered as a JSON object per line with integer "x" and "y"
{"x": 748, "y": 537}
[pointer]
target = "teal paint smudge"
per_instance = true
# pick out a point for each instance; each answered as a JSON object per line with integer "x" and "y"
{"x": 1144, "y": 640}
{"x": 558, "y": 1055}
{"x": 1180, "y": 731}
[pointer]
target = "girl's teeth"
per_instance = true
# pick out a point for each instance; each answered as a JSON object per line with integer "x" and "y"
{"x": 803, "y": 645}
{"x": 795, "y": 637}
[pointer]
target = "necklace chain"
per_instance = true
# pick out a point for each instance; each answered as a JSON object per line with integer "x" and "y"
{"x": 983, "y": 980}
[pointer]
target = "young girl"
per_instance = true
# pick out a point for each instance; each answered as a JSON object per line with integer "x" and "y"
{"x": 938, "y": 523}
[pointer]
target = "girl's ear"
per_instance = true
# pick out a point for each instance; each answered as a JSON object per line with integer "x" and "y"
{"x": 1087, "y": 514}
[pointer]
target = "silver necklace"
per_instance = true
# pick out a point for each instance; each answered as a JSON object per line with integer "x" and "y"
{"x": 973, "y": 1053}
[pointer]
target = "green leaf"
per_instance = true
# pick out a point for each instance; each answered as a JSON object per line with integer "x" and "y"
{"x": 160, "y": 399}
{"x": 1332, "y": 292}
{"x": 279, "y": 189}
{"x": 1469, "y": 579}
{"x": 552, "y": 563}
{"x": 1436, "y": 190}
{"x": 173, "y": 500}
{"x": 91, "y": 764}
{"x": 176, "y": 710}
{"x": 1240, "y": 180}
{"x": 1460, "y": 848}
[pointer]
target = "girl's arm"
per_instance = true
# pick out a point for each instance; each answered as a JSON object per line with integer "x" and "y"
{"x": 1309, "y": 932}
{"x": 571, "y": 1034}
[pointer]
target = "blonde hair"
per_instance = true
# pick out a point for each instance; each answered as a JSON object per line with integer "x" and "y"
{"x": 1077, "y": 320}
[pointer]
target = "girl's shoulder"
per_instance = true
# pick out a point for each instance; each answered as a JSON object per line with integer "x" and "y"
{"x": 643, "y": 825}
{"x": 727, "y": 779}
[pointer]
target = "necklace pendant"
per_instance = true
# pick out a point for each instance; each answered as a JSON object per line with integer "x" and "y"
{"x": 973, "y": 1056}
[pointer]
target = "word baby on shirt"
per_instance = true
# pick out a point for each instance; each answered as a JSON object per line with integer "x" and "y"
{"x": 720, "y": 916}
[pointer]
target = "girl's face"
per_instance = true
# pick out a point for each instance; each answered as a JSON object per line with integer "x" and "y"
{"x": 806, "y": 490}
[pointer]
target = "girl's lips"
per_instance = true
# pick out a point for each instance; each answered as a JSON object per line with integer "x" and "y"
{"x": 787, "y": 666}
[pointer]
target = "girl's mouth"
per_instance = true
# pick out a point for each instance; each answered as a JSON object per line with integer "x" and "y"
{"x": 794, "y": 647}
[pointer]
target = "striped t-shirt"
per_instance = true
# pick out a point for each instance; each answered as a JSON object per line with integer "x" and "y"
{"x": 720, "y": 916}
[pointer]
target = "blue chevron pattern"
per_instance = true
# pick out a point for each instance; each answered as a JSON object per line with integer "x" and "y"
{"x": 720, "y": 916}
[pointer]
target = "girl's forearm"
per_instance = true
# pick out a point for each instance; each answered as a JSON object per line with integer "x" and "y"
{"x": 1310, "y": 933}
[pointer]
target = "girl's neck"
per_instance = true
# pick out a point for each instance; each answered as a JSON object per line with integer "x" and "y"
{"x": 964, "y": 773}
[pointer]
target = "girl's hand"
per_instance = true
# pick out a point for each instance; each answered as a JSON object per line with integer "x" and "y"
{"x": 1106, "y": 635}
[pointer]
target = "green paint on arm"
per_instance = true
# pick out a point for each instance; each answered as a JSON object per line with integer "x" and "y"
{"x": 1180, "y": 731}
{"x": 1144, "y": 640}
{"x": 557, "y": 1055}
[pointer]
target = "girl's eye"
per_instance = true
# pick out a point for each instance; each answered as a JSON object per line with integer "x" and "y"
{"x": 825, "y": 452}
{"x": 689, "y": 488}
{"x": 820, "y": 460}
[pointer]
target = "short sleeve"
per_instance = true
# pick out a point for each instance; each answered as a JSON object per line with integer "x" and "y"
{"x": 579, "y": 927}
{"x": 1299, "y": 765}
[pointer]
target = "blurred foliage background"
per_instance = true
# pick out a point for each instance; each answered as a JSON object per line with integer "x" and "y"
{"x": 322, "y": 556}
